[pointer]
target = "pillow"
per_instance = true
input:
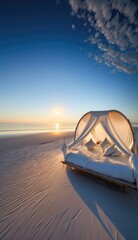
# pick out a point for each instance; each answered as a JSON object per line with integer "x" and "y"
{"x": 90, "y": 145}
{"x": 83, "y": 142}
{"x": 116, "y": 153}
{"x": 109, "y": 150}
{"x": 104, "y": 144}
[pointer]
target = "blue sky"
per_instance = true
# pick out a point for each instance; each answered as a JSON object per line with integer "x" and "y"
{"x": 69, "y": 56}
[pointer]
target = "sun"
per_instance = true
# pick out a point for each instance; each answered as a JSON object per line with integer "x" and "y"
{"x": 57, "y": 112}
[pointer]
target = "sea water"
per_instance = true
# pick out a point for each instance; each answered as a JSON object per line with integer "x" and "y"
{"x": 8, "y": 129}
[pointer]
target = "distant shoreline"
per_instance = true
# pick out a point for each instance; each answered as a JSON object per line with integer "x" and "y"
{"x": 22, "y": 130}
{"x": 8, "y": 133}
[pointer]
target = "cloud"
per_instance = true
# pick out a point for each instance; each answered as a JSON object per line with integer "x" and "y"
{"x": 73, "y": 27}
{"x": 75, "y": 4}
{"x": 58, "y": 1}
{"x": 113, "y": 29}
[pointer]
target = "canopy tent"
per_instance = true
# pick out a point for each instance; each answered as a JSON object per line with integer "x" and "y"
{"x": 97, "y": 127}
{"x": 112, "y": 124}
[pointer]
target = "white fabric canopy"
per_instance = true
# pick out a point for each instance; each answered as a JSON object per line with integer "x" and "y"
{"x": 87, "y": 129}
{"x": 112, "y": 125}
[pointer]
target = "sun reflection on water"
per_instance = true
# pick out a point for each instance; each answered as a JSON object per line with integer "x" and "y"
{"x": 57, "y": 126}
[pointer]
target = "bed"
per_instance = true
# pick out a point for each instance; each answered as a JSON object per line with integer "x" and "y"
{"x": 114, "y": 169}
{"x": 104, "y": 145}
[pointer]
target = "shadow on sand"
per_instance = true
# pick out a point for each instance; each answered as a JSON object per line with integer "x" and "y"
{"x": 116, "y": 211}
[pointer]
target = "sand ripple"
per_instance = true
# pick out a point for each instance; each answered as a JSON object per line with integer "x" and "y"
{"x": 42, "y": 199}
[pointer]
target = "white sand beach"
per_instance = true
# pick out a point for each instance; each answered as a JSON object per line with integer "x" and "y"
{"x": 42, "y": 199}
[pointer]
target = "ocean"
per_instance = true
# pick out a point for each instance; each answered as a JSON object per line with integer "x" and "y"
{"x": 8, "y": 129}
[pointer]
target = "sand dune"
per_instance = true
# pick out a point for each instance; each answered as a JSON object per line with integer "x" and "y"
{"x": 42, "y": 199}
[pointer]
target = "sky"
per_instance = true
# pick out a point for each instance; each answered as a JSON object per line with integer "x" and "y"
{"x": 60, "y": 59}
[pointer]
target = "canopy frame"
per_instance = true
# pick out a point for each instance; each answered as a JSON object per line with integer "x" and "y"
{"x": 134, "y": 148}
{"x": 116, "y": 181}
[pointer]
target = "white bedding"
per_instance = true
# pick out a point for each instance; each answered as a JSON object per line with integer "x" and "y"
{"x": 96, "y": 152}
{"x": 116, "y": 167}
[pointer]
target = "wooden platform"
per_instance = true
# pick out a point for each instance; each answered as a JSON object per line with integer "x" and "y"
{"x": 119, "y": 182}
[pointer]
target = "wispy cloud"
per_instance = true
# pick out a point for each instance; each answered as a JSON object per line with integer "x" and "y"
{"x": 73, "y": 26}
{"x": 113, "y": 29}
{"x": 58, "y": 1}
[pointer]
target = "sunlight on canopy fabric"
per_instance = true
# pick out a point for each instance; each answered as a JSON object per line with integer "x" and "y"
{"x": 114, "y": 135}
{"x": 112, "y": 125}
{"x": 87, "y": 129}
{"x": 122, "y": 126}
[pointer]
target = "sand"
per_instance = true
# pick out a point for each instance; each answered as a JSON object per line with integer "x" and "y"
{"x": 40, "y": 198}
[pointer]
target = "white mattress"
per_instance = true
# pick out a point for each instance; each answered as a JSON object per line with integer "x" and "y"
{"x": 116, "y": 167}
